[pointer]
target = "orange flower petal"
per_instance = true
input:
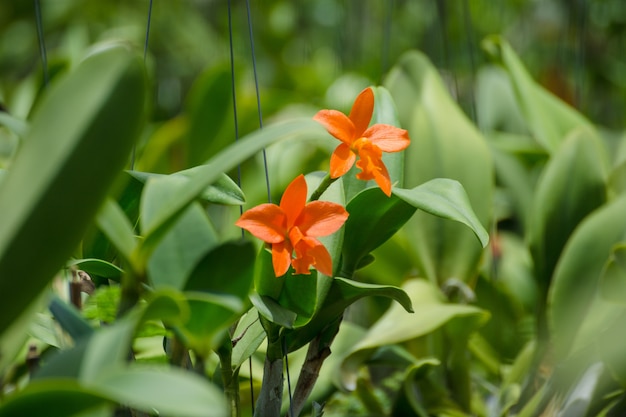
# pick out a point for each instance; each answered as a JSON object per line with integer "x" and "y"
{"x": 337, "y": 124}
{"x": 266, "y": 222}
{"x": 362, "y": 110}
{"x": 323, "y": 261}
{"x": 321, "y": 218}
{"x": 374, "y": 168}
{"x": 341, "y": 160}
{"x": 388, "y": 138}
{"x": 281, "y": 258}
{"x": 294, "y": 199}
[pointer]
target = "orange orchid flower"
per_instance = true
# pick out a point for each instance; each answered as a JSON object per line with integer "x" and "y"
{"x": 293, "y": 227}
{"x": 357, "y": 138}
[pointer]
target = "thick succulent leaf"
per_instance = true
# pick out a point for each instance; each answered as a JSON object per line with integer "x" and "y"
{"x": 341, "y": 294}
{"x": 430, "y": 313}
{"x": 447, "y": 199}
{"x": 565, "y": 195}
{"x": 373, "y": 219}
{"x": 113, "y": 223}
{"x": 79, "y": 140}
{"x": 576, "y": 278}
{"x": 445, "y": 144}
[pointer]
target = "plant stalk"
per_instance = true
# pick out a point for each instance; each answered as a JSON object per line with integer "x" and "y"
{"x": 326, "y": 182}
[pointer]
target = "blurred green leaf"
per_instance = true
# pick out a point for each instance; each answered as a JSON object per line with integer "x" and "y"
{"x": 55, "y": 186}
{"x": 565, "y": 194}
{"x": 613, "y": 276}
{"x": 548, "y": 118}
{"x": 70, "y": 319}
{"x": 18, "y": 126}
{"x": 430, "y": 313}
{"x": 188, "y": 241}
{"x": 577, "y": 275}
{"x": 114, "y": 224}
{"x": 445, "y": 144}
{"x": 98, "y": 267}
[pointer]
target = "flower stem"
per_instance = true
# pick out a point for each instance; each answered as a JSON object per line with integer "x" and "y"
{"x": 230, "y": 378}
{"x": 326, "y": 182}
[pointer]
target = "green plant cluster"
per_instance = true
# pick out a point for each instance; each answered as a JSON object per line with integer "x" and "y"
{"x": 490, "y": 283}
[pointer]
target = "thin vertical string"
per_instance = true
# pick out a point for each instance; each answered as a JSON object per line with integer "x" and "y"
{"x": 386, "y": 38}
{"x": 467, "y": 18}
{"x": 42, "y": 45}
{"x": 285, "y": 354}
{"x": 258, "y": 98}
{"x": 145, "y": 54}
{"x": 234, "y": 92}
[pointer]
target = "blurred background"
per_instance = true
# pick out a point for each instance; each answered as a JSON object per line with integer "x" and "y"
{"x": 308, "y": 50}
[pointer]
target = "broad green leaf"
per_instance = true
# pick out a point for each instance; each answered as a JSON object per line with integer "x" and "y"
{"x": 223, "y": 191}
{"x": 165, "y": 215}
{"x": 114, "y": 224}
{"x": 565, "y": 195}
{"x": 51, "y": 398}
{"x": 166, "y": 391}
{"x": 445, "y": 144}
{"x": 70, "y": 319}
{"x": 98, "y": 267}
{"x": 446, "y": 199}
{"x": 80, "y": 138}
{"x": 178, "y": 253}
{"x": 272, "y": 311}
{"x": 18, "y": 126}
{"x": 248, "y": 336}
{"x": 548, "y": 118}
{"x": 373, "y": 219}
{"x": 577, "y": 275}
{"x": 341, "y": 294}
{"x": 208, "y": 107}
{"x": 613, "y": 276}
{"x": 430, "y": 313}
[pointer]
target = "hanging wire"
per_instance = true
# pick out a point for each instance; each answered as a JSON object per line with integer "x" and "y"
{"x": 386, "y": 38}
{"x": 145, "y": 54}
{"x": 286, "y": 355}
{"x": 232, "y": 84}
{"x": 42, "y": 45}
{"x": 258, "y": 98}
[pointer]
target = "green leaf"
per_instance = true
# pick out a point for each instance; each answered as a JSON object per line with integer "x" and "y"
{"x": 166, "y": 391}
{"x": 52, "y": 398}
{"x": 548, "y": 118}
{"x": 178, "y": 253}
{"x": 430, "y": 313}
{"x": 70, "y": 319}
{"x": 576, "y": 278}
{"x": 565, "y": 195}
{"x": 55, "y": 184}
{"x": 223, "y": 191}
{"x": 341, "y": 294}
{"x": 613, "y": 276}
{"x": 165, "y": 215}
{"x": 98, "y": 267}
{"x": 445, "y": 144}
{"x": 248, "y": 336}
{"x": 18, "y": 126}
{"x": 272, "y": 311}
{"x": 373, "y": 219}
{"x": 114, "y": 224}
{"x": 447, "y": 199}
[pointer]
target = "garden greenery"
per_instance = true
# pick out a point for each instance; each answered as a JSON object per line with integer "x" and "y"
{"x": 421, "y": 266}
